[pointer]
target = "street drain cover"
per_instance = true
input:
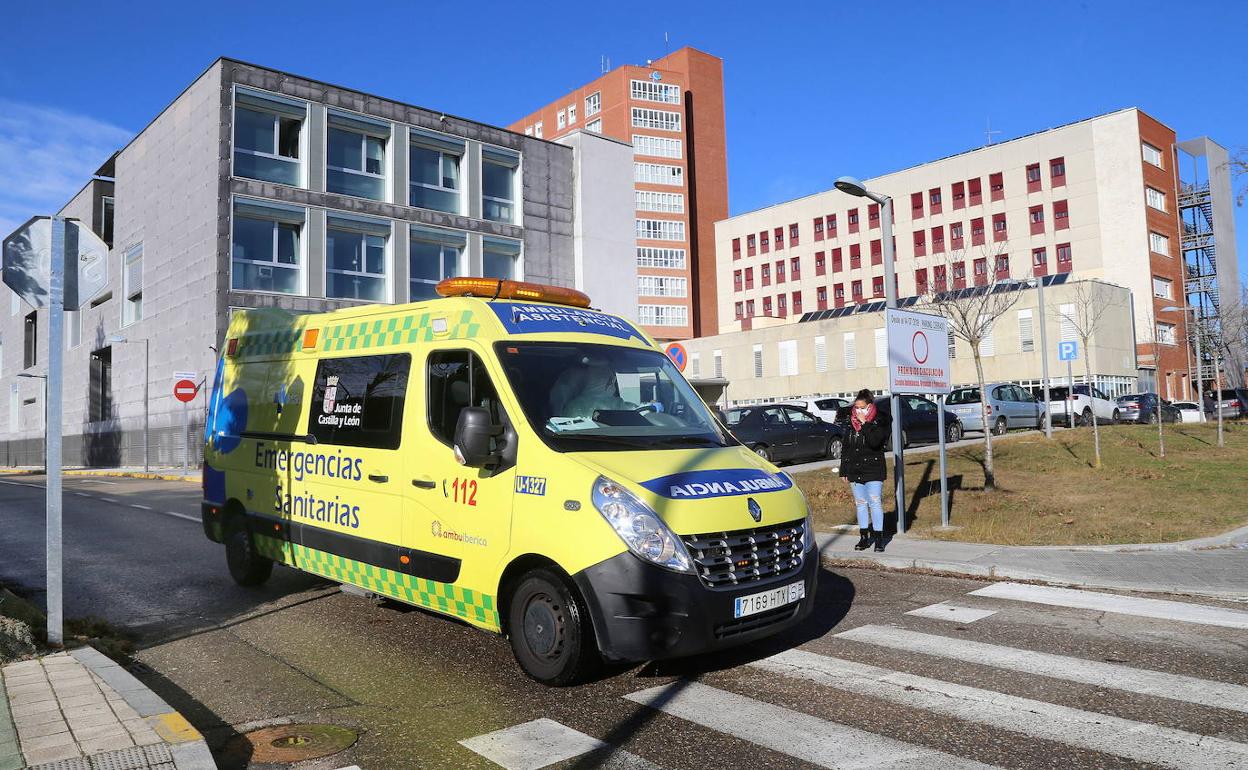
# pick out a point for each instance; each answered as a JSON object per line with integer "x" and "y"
{"x": 285, "y": 744}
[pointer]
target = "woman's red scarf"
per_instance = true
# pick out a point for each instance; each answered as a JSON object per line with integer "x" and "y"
{"x": 853, "y": 417}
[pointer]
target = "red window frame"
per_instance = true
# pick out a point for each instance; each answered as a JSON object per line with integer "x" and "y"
{"x": 855, "y": 256}
{"x": 764, "y": 274}
{"x": 736, "y": 248}
{"x": 920, "y": 243}
{"x": 855, "y": 291}
{"x": 956, "y": 240}
{"x": 749, "y": 278}
{"x": 1003, "y": 267}
{"x": 977, "y": 231}
{"x": 837, "y": 263}
{"x": 959, "y": 275}
{"x": 1035, "y": 182}
{"x": 996, "y": 186}
{"x": 821, "y": 297}
{"x": 766, "y": 306}
{"x": 737, "y": 282}
{"x": 958, "y": 191}
{"x": 940, "y": 275}
{"x": 795, "y": 268}
{"x": 782, "y": 305}
{"x": 750, "y": 248}
{"x": 838, "y": 294}
{"x": 740, "y": 308}
{"x": 981, "y": 271}
{"x": 920, "y": 281}
{"x": 820, "y": 267}
{"x": 1064, "y": 258}
{"x": 764, "y": 242}
{"x": 916, "y": 205}
{"x": 1057, "y": 172}
{"x": 830, "y": 225}
{"x": 975, "y": 191}
{"x": 1035, "y": 218}
{"x": 818, "y": 228}
{"x": 778, "y": 238}
{"x": 797, "y": 302}
{"x": 1061, "y": 215}
{"x": 1039, "y": 262}
{"x": 779, "y": 271}
{"x": 749, "y": 308}
{"x": 938, "y": 240}
{"x": 999, "y": 233}
{"x": 873, "y": 216}
{"x": 793, "y": 233}
{"x": 877, "y": 251}
{"x": 852, "y": 218}
{"x": 934, "y": 200}
{"x": 877, "y": 286}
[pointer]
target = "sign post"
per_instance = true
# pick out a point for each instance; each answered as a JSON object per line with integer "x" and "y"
{"x": 1068, "y": 351}
{"x": 918, "y": 363}
{"x": 56, "y": 263}
{"x": 677, "y": 353}
{"x": 185, "y": 390}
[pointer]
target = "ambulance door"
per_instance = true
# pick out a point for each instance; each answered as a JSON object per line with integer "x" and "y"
{"x": 345, "y": 495}
{"x": 459, "y": 518}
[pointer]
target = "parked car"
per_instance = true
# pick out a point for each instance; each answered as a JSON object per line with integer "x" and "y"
{"x": 1189, "y": 411}
{"x": 1233, "y": 402}
{"x": 1009, "y": 406}
{"x": 1142, "y": 407}
{"x": 825, "y": 409}
{"x": 779, "y": 432}
{"x": 1078, "y": 408}
{"x": 918, "y": 420}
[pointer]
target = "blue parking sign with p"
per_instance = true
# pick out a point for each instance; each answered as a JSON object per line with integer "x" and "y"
{"x": 1068, "y": 351}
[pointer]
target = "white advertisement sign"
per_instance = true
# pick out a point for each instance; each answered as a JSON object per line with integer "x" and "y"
{"x": 918, "y": 352}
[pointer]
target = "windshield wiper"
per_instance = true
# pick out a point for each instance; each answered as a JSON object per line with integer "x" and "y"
{"x": 690, "y": 440}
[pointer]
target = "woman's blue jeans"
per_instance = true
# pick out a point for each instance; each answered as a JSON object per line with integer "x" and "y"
{"x": 868, "y": 498}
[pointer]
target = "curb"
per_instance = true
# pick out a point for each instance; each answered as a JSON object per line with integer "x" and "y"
{"x": 186, "y": 744}
{"x": 134, "y": 475}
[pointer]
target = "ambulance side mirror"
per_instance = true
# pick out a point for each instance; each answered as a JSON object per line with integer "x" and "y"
{"x": 473, "y": 436}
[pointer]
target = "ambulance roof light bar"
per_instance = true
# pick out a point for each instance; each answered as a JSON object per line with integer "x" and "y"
{"x": 498, "y": 288}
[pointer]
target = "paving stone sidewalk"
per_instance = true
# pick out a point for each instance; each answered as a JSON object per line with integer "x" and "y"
{"x": 1220, "y": 573}
{"x": 81, "y": 711}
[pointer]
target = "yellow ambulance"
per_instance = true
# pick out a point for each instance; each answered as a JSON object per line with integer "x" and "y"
{"x": 510, "y": 457}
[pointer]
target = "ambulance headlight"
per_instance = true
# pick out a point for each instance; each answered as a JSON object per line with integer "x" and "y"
{"x": 639, "y": 526}
{"x": 810, "y": 517}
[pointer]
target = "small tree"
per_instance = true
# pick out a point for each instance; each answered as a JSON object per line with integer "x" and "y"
{"x": 1233, "y": 325}
{"x": 1089, "y": 302}
{"x": 971, "y": 312}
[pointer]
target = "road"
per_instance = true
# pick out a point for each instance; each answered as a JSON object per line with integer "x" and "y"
{"x": 893, "y": 669}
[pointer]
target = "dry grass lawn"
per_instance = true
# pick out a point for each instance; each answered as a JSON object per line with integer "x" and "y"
{"x": 1048, "y": 493}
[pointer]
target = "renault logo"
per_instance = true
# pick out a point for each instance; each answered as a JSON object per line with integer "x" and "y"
{"x": 756, "y": 511}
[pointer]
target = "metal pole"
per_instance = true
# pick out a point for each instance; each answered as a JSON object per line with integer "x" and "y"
{"x": 1044, "y": 359}
{"x": 890, "y": 295}
{"x": 52, "y": 443}
{"x": 147, "y": 444}
{"x": 1200, "y": 385}
{"x": 1070, "y": 394}
{"x": 944, "y": 479}
{"x": 1217, "y": 393}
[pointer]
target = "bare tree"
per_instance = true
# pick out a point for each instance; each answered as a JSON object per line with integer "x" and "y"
{"x": 1238, "y": 165}
{"x": 1155, "y": 347}
{"x": 972, "y": 311}
{"x": 1090, "y": 300}
{"x": 1233, "y": 325}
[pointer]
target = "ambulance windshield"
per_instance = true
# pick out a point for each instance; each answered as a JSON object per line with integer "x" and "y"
{"x": 581, "y": 397}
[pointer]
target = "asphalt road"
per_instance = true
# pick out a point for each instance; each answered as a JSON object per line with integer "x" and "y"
{"x": 1031, "y": 678}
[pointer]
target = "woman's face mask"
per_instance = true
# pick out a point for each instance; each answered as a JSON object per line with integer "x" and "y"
{"x": 861, "y": 411}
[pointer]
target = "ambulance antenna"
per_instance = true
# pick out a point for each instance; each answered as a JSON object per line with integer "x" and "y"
{"x": 498, "y": 289}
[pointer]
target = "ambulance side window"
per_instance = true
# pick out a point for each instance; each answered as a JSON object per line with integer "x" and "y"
{"x": 358, "y": 401}
{"x": 457, "y": 378}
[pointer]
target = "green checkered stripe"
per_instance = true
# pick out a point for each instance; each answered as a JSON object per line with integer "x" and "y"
{"x": 442, "y": 597}
{"x": 397, "y": 330}
{"x": 270, "y": 343}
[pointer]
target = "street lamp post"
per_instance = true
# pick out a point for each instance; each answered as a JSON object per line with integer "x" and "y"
{"x": 147, "y": 466}
{"x": 43, "y": 377}
{"x": 851, "y": 186}
{"x": 1044, "y": 357}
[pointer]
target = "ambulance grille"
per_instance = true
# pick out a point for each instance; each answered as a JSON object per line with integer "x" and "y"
{"x": 748, "y": 555}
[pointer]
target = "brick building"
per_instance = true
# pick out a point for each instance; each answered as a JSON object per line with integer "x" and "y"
{"x": 672, "y": 112}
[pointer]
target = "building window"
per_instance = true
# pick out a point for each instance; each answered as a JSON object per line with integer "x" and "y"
{"x": 855, "y": 256}
{"x": 877, "y": 286}
{"x": 107, "y": 208}
{"x": 999, "y": 232}
{"x": 938, "y": 240}
{"x": 1061, "y": 215}
{"x": 594, "y": 125}
{"x": 939, "y": 277}
{"x": 30, "y": 340}
{"x": 749, "y": 278}
{"x": 499, "y": 258}
{"x": 432, "y": 255}
{"x": 996, "y": 186}
{"x": 650, "y": 91}
{"x": 593, "y": 104}
{"x": 1057, "y": 172}
{"x": 767, "y": 306}
{"x": 132, "y": 285}
{"x": 793, "y": 235}
{"x": 1039, "y": 259}
{"x": 661, "y": 229}
{"x": 981, "y": 271}
{"x": 718, "y": 357}
{"x": 571, "y": 114}
{"x": 1026, "y": 337}
{"x": 736, "y": 248}
{"x": 498, "y": 184}
{"x": 1151, "y": 154}
{"x": 795, "y": 268}
{"x": 1003, "y": 267}
{"x": 837, "y": 263}
{"x": 1156, "y": 198}
{"x": 830, "y": 225}
{"x": 668, "y": 203}
{"x": 1165, "y": 333}
{"x": 977, "y": 232}
{"x": 953, "y": 346}
{"x": 877, "y": 251}
{"x": 528, "y": 130}
{"x": 740, "y": 310}
{"x": 873, "y": 216}
{"x": 661, "y": 120}
{"x": 1162, "y": 288}
{"x": 434, "y": 172}
{"x": 657, "y": 173}
{"x": 955, "y": 235}
{"x": 561, "y": 119}
{"x": 797, "y": 302}
{"x": 920, "y": 243}
{"x": 662, "y": 286}
{"x": 856, "y": 291}
{"x": 266, "y": 250}
{"x": 267, "y": 138}
{"x": 736, "y": 280}
{"x": 818, "y": 228}
{"x": 974, "y": 191}
{"x": 838, "y": 294}
{"x": 355, "y": 162}
{"x": 100, "y": 386}
{"x": 1034, "y": 183}
{"x": 1063, "y": 257}
{"x": 749, "y": 308}
{"x": 920, "y": 281}
{"x": 853, "y": 220}
{"x": 657, "y": 146}
{"x": 916, "y": 205}
{"x": 821, "y": 297}
{"x": 779, "y": 238}
{"x": 765, "y": 274}
{"x": 671, "y": 259}
{"x": 355, "y": 259}
{"x": 959, "y": 195}
{"x": 758, "y": 360}
{"x": 750, "y": 248}
{"x": 780, "y": 271}
{"x": 668, "y": 315}
{"x": 1159, "y": 244}
{"x": 538, "y": 129}
{"x": 934, "y": 200}
{"x": 851, "y": 351}
{"x": 1035, "y": 216}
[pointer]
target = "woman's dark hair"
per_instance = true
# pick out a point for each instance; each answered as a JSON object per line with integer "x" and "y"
{"x": 865, "y": 395}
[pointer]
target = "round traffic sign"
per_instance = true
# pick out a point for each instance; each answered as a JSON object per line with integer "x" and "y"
{"x": 919, "y": 347}
{"x": 676, "y": 352}
{"x": 185, "y": 391}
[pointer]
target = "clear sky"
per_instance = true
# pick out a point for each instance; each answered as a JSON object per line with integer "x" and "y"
{"x": 813, "y": 89}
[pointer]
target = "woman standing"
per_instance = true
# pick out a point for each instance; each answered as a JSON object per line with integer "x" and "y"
{"x": 864, "y": 468}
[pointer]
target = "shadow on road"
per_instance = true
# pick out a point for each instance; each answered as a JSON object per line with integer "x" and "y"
{"x": 217, "y": 732}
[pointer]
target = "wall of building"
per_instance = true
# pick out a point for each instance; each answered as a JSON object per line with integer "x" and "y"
{"x": 1112, "y": 351}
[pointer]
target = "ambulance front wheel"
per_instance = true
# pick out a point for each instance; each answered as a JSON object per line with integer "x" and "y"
{"x": 247, "y": 566}
{"x": 550, "y": 631}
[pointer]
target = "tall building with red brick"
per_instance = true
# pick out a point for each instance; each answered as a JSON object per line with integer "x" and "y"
{"x": 672, "y": 112}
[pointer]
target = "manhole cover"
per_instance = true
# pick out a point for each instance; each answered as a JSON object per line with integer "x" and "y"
{"x": 284, "y": 744}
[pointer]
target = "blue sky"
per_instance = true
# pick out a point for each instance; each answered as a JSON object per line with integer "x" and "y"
{"x": 813, "y": 90}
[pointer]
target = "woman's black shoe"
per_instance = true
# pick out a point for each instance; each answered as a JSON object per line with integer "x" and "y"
{"x": 879, "y": 542}
{"x": 865, "y": 541}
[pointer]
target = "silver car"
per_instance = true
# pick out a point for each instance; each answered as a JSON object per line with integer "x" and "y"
{"x": 1009, "y": 406}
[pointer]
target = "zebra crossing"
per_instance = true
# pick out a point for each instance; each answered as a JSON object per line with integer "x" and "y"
{"x": 776, "y": 717}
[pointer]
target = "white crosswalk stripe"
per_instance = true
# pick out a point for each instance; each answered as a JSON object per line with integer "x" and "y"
{"x": 805, "y": 737}
{"x": 544, "y": 742}
{"x": 1111, "y": 675}
{"x": 1161, "y": 609}
{"x": 952, "y": 613}
{"x": 1138, "y": 741}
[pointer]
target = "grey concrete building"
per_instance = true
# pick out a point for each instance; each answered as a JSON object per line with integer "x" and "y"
{"x": 256, "y": 188}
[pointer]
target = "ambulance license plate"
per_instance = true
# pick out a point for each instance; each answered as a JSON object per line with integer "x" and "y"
{"x": 769, "y": 600}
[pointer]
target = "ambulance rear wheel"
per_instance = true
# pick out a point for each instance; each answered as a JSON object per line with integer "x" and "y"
{"x": 551, "y": 634}
{"x": 247, "y": 566}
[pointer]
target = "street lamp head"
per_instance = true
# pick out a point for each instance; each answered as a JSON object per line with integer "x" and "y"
{"x": 1172, "y": 309}
{"x": 33, "y": 376}
{"x": 851, "y": 186}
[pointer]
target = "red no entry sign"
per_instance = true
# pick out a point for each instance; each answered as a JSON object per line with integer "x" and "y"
{"x": 185, "y": 391}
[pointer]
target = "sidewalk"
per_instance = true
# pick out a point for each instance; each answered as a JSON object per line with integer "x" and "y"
{"x": 81, "y": 711}
{"x": 1182, "y": 568}
{"x": 134, "y": 472}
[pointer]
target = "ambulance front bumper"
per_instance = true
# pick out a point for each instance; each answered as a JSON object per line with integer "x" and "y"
{"x": 643, "y": 612}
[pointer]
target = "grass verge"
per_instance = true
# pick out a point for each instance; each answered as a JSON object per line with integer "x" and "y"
{"x": 1048, "y": 493}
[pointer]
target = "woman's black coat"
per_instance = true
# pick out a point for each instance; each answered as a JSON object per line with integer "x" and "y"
{"x": 862, "y": 452}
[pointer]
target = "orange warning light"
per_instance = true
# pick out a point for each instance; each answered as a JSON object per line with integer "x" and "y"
{"x": 497, "y": 288}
